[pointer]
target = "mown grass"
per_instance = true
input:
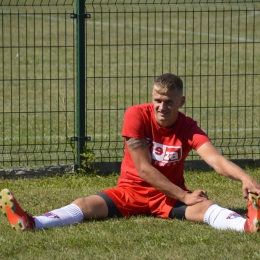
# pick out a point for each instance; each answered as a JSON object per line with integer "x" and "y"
{"x": 134, "y": 238}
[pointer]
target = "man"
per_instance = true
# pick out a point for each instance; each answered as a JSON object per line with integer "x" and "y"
{"x": 158, "y": 138}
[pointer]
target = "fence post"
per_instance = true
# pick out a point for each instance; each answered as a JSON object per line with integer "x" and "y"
{"x": 80, "y": 79}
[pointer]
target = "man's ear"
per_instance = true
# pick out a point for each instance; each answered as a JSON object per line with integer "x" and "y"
{"x": 182, "y": 101}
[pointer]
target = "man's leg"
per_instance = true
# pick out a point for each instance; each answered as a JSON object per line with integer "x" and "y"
{"x": 92, "y": 207}
{"x": 215, "y": 216}
{"x": 193, "y": 213}
{"x": 209, "y": 213}
{"x": 84, "y": 208}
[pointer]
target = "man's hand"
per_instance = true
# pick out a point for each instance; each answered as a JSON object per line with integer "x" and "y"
{"x": 250, "y": 185}
{"x": 195, "y": 197}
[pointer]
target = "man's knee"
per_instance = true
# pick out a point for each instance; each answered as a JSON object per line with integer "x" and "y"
{"x": 197, "y": 212}
{"x": 93, "y": 207}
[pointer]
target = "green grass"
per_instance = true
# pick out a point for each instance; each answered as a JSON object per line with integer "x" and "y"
{"x": 133, "y": 238}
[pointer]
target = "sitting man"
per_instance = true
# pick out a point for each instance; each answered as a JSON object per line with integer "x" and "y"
{"x": 158, "y": 139}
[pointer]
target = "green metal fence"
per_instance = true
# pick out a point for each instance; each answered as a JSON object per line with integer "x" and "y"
{"x": 37, "y": 83}
{"x": 213, "y": 45}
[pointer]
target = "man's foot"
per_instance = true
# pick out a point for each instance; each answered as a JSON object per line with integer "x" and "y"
{"x": 252, "y": 224}
{"x": 16, "y": 216}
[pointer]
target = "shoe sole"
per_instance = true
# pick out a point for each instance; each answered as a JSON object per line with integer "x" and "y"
{"x": 255, "y": 201}
{"x": 255, "y": 204}
{"x": 7, "y": 208}
{"x": 256, "y": 225}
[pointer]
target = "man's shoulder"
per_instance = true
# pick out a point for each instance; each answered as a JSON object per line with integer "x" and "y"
{"x": 188, "y": 125}
{"x": 143, "y": 108}
{"x": 184, "y": 118}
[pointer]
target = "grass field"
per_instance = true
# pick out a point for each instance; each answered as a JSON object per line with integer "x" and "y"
{"x": 134, "y": 238}
{"x": 212, "y": 45}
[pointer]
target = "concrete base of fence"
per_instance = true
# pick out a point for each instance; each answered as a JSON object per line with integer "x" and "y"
{"x": 36, "y": 172}
{"x": 201, "y": 165}
{"x": 105, "y": 168}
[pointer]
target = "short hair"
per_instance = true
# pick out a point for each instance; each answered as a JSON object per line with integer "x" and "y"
{"x": 167, "y": 82}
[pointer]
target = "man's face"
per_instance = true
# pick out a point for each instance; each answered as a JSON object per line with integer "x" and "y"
{"x": 166, "y": 106}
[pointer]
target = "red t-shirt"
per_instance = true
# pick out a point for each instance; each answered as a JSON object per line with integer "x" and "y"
{"x": 169, "y": 147}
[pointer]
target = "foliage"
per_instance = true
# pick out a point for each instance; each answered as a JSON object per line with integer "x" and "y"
{"x": 87, "y": 165}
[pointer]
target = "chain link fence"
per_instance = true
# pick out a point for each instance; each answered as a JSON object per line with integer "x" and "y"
{"x": 212, "y": 45}
{"x": 37, "y": 83}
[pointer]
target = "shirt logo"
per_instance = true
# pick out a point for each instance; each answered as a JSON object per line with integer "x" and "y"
{"x": 166, "y": 155}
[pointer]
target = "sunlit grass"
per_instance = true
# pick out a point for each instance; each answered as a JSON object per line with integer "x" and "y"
{"x": 134, "y": 238}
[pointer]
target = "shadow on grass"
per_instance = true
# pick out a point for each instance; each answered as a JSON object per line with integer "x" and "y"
{"x": 240, "y": 211}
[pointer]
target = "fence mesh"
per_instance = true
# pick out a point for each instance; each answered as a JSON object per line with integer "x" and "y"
{"x": 37, "y": 83}
{"x": 212, "y": 45}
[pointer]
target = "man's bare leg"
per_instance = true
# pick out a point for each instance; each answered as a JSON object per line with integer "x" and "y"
{"x": 93, "y": 207}
{"x": 215, "y": 216}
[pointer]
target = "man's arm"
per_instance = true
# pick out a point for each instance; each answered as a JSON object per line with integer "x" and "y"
{"x": 221, "y": 165}
{"x": 141, "y": 157}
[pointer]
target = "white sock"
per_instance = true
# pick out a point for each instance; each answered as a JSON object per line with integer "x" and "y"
{"x": 65, "y": 216}
{"x": 222, "y": 218}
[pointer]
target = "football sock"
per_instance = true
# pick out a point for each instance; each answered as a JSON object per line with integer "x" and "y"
{"x": 222, "y": 218}
{"x": 65, "y": 216}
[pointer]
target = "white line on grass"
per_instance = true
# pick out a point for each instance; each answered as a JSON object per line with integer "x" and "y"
{"x": 56, "y": 137}
{"x": 90, "y": 65}
{"x": 253, "y": 13}
{"x": 232, "y": 130}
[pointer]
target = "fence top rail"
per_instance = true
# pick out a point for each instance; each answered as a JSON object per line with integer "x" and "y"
{"x": 36, "y": 2}
{"x": 118, "y": 2}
